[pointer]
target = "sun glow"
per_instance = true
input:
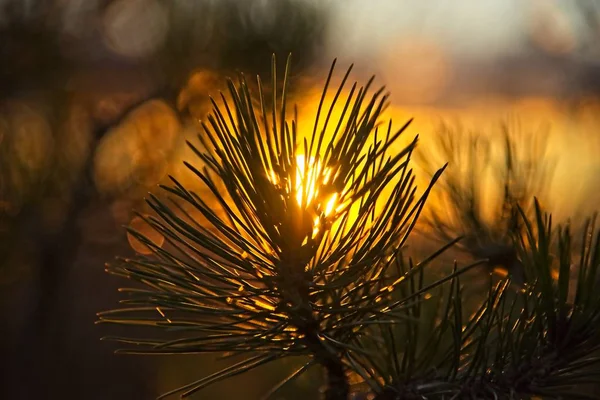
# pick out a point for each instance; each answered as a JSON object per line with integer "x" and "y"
{"x": 310, "y": 177}
{"x": 308, "y": 187}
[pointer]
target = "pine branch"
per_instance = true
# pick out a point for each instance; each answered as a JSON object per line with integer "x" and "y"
{"x": 287, "y": 251}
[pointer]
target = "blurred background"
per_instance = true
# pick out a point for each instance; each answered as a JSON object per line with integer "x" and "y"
{"x": 97, "y": 98}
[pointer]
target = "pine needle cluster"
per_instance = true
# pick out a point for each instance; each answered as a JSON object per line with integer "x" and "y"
{"x": 295, "y": 247}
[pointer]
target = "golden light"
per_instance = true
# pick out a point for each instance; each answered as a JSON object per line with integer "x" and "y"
{"x": 310, "y": 176}
{"x": 307, "y": 187}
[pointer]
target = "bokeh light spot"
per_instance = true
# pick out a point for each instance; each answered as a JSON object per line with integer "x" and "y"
{"x": 141, "y": 226}
{"x": 135, "y": 28}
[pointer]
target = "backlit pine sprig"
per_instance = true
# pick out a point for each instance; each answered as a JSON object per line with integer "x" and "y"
{"x": 289, "y": 257}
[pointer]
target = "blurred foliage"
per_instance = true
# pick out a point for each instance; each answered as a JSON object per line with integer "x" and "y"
{"x": 70, "y": 125}
{"x": 30, "y": 48}
{"x": 95, "y": 107}
{"x": 229, "y": 36}
{"x": 489, "y": 178}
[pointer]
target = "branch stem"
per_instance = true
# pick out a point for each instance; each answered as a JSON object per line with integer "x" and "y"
{"x": 295, "y": 287}
{"x": 337, "y": 382}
